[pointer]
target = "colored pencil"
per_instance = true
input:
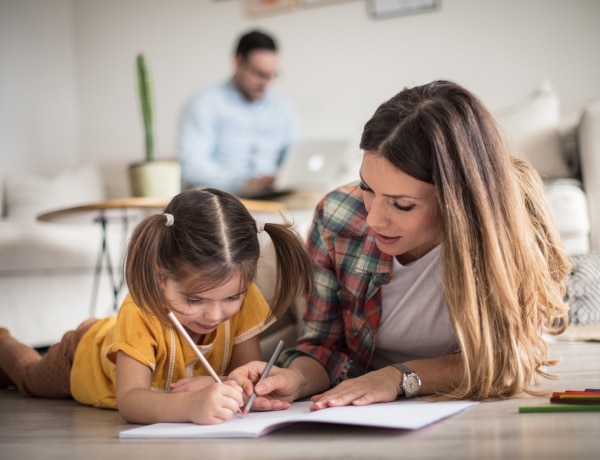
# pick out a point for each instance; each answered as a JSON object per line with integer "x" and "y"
{"x": 199, "y": 354}
{"x": 264, "y": 374}
{"x": 576, "y": 396}
{"x": 576, "y": 392}
{"x": 189, "y": 340}
{"x": 575, "y": 400}
{"x": 561, "y": 408}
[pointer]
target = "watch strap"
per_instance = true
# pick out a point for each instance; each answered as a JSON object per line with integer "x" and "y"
{"x": 403, "y": 368}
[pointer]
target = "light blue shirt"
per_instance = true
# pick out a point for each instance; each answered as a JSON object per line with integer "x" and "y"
{"x": 225, "y": 140}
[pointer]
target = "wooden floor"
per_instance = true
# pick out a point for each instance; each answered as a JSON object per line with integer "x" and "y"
{"x": 52, "y": 429}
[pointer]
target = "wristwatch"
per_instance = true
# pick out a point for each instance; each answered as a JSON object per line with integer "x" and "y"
{"x": 411, "y": 383}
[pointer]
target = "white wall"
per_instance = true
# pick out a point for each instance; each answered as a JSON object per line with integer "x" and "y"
{"x": 39, "y": 129}
{"x": 338, "y": 64}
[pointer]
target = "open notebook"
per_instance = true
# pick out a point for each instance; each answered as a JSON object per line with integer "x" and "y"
{"x": 313, "y": 164}
{"x": 409, "y": 415}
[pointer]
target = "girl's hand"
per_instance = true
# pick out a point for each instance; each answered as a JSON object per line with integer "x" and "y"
{"x": 382, "y": 385}
{"x": 215, "y": 403}
{"x": 191, "y": 384}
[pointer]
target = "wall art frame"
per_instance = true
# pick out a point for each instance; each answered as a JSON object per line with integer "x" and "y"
{"x": 381, "y": 9}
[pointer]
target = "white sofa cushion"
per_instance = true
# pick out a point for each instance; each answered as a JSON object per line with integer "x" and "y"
{"x": 28, "y": 195}
{"x": 47, "y": 248}
{"x": 532, "y": 128}
{"x": 27, "y": 245}
{"x": 589, "y": 147}
{"x": 2, "y": 203}
{"x": 569, "y": 207}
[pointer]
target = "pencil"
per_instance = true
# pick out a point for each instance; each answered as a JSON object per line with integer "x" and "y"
{"x": 264, "y": 374}
{"x": 189, "y": 340}
{"x": 575, "y": 397}
{"x": 560, "y": 408}
{"x": 576, "y": 393}
{"x": 575, "y": 401}
{"x": 586, "y": 397}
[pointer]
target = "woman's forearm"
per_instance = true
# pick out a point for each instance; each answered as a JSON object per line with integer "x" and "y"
{"x": 437, "y": 374}
{"x": 311, "y": 377}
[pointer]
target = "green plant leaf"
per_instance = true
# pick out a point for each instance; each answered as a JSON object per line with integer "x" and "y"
{"x": 145, "y": 94}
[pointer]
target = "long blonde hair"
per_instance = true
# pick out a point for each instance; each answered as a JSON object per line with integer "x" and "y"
{"x": 503, "y": 263}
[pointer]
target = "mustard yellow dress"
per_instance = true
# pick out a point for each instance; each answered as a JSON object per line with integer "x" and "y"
{"x": 161, "y": 348}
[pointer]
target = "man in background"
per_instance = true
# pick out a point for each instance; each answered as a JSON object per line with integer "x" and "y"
{"x": 234, "y": 135}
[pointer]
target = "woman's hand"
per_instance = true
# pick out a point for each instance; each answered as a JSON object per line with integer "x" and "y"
{"x": 275, "y": 392}
{"x": 382, "y": 385}
{"x": 304, "y": 377}
{"x": 191, "y": 384}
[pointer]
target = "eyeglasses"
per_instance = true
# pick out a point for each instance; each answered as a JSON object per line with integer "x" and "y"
{"x": 259, "y": 73}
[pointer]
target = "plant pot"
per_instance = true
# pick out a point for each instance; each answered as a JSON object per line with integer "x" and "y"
{"x": 155, "y": 179}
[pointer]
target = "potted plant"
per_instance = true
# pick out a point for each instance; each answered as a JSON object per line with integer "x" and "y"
{"x": 151, "y": 177}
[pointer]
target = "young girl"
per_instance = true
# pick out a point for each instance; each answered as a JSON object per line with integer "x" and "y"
{"x": 197, "y": 260}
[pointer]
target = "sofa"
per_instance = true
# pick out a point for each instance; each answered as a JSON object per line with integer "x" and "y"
{"x": 566, "y": 153}
{"x": 47, "y": 269}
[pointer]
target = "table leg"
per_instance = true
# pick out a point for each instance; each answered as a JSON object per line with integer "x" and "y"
{"x": 99, "y": 262}
{"x": 104, "y": 259}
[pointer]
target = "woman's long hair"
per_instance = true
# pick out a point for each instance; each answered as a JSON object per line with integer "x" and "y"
{"x": 503, "y": 263}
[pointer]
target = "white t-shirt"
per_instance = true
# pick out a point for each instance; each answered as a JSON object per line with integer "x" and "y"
{"x": 414, "y": 322}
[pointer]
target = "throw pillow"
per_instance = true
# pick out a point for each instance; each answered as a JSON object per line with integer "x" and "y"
{"x": 583, "y": 289}
{"x": 532, "y": 129}
{"x": 2, "y": 204}
{"x": 28, "y": 195}
{"x": 569, "y": 206}
{"x": 568, "y": 132}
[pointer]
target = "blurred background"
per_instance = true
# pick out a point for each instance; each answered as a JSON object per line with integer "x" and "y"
{"x": 67, "y": 67}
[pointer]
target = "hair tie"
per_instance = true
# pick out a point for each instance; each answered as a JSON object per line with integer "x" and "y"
{"x": 260, "y": 225}
{"x": 170, "y": 219}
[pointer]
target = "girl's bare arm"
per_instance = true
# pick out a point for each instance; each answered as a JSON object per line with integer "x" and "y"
{"x": 137, "y": 403}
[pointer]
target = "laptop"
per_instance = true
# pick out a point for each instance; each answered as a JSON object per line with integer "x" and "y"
{"x": 309, "y": 164}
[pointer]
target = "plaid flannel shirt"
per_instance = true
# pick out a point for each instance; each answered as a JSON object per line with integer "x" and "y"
{"x": 341, "y": 317}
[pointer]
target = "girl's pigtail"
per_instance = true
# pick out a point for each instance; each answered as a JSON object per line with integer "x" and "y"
{"x": 141, "y": 265}
{"x": 294, "y": 267}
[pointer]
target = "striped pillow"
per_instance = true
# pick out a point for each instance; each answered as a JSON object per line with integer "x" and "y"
{"x": 583, "y": 289}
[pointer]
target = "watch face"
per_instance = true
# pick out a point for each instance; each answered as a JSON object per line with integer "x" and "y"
{"x": 411, "y": 384}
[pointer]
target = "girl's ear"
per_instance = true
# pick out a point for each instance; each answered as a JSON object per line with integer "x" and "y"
{"x": 161, "y": 276}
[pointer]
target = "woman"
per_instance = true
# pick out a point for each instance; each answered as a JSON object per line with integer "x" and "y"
{"x": 436, "y": 274}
